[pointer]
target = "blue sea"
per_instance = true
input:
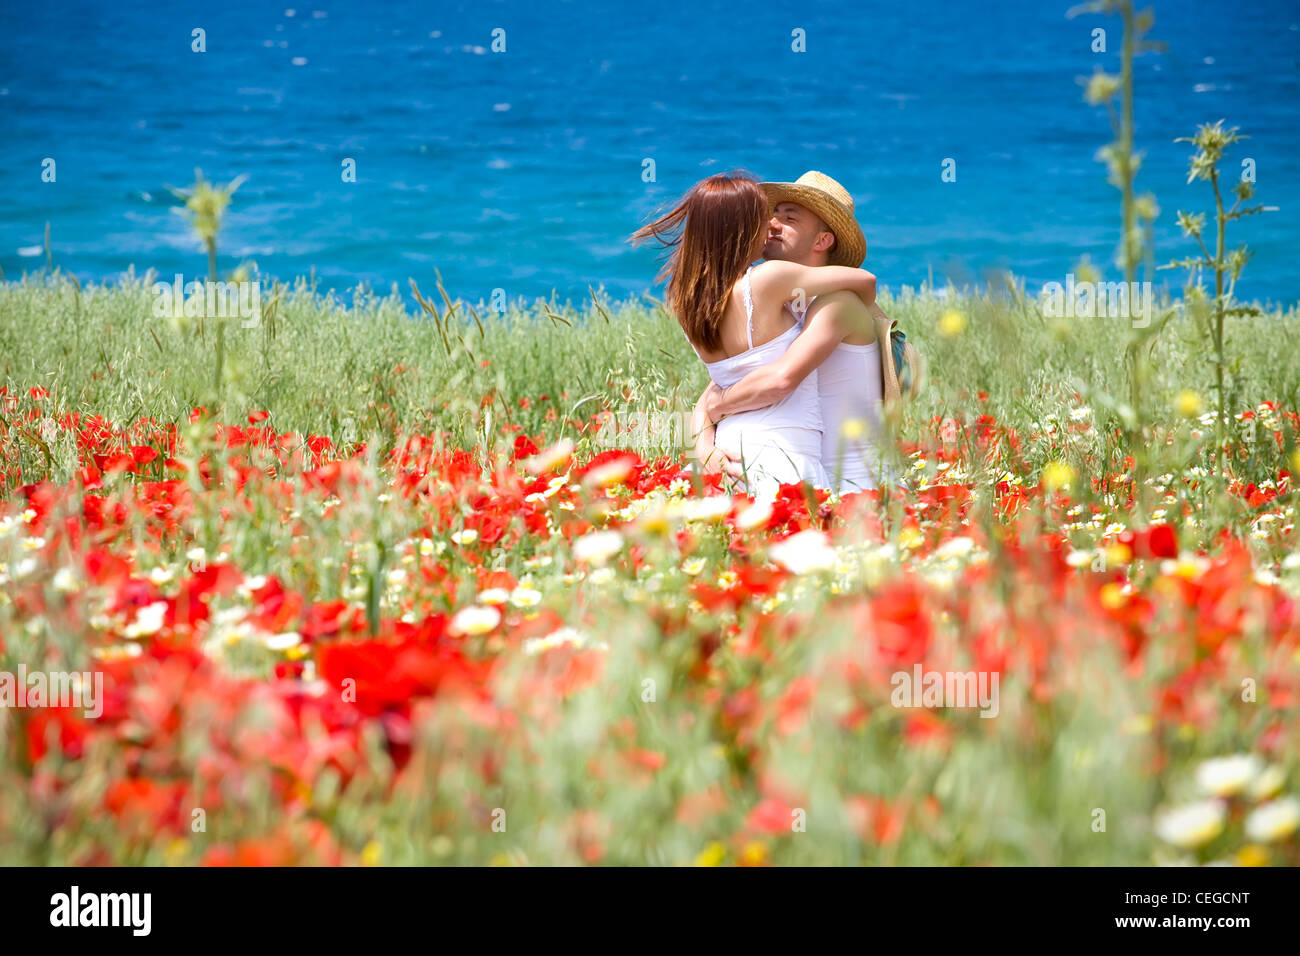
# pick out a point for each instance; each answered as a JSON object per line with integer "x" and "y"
{"x": 525, "y": 170}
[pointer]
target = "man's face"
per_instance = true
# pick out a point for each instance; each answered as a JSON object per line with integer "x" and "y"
{"x": 797, "y": 234}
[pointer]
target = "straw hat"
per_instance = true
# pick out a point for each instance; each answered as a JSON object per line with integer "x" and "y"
{"x": 832, "y": 202}
{"x": 902, "y": 370}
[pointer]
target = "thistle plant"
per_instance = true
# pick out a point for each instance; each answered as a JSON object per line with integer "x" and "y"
{"x": 1137, "y": 213}
{"x": 1210, "y": 141}
{"x": 1121, "y": 159}
{"x": 205, "y": 204}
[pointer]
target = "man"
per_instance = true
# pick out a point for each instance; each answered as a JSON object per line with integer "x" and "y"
{"x": 813, "y": 224}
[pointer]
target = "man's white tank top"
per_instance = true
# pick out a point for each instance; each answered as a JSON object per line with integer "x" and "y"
{"x": 848, "y": 391}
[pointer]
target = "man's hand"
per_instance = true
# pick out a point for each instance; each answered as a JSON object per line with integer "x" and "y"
{"x": 774, "y": 381}
{"x": 712, "y": 397}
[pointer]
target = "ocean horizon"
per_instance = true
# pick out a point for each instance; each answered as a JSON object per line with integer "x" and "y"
{"x": 525, "y": 169}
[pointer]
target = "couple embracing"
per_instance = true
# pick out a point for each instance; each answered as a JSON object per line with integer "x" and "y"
{"x": 793, "y": 345}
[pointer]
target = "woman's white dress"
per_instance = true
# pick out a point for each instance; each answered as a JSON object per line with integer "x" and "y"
{"x": 779, "y": 444}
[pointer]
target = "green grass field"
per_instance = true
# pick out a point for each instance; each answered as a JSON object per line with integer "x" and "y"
{"x": 1118, "y": 681}
{"x": 321, "y": 362}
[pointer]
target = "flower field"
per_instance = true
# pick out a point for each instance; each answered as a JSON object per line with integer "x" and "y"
{"x": 470, "y": 632}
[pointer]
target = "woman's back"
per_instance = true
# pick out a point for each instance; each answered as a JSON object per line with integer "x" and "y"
{"x": 781, "y": 443}
{"x": 748, "y": 321}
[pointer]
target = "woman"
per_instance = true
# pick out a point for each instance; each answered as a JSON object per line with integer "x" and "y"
{"x": 734, "y": 315}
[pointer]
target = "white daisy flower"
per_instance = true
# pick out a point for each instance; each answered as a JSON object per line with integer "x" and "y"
{"x": 598, "y": 546}
{"x": 1269, "y": 783}
{"x": 1193, "y": 824}
{"x": 559, "y": 638}
{"x": 693, "y": 566}
{"x": 251, "y": 584}
{"x": 806, "y": 551}
{"x": 282, "y": 642}
{"x": 1228, "y": 776}
{"x": 755, "y": 516}
{"x": 713, "y": 508}
{"x": 1273, "y": 821}
{"x": 148, "y": 620}
{"x": 525, "y": 597}
{"x": 475, "y": 620}
{"x": 549, "y": 458}
{"x": 610, "y": 473}
{"x": 955, "y": 548}
{"x": 65, "y": 581}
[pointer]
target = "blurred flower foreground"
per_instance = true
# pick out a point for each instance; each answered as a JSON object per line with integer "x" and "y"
{"x": 313, "y": 654}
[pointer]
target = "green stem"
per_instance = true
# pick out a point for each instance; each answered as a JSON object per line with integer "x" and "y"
{"x": 221, "y": 358}
{"x": 1126, "y": 143}
{"x": 1127, "y": 251}
{"x": 212, "y": 273}
{"x": 1219, "y": 357}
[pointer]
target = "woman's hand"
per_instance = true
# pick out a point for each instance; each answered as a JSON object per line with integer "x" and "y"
{"x": 711, "y": 458}
{"x": 719, "y": 461}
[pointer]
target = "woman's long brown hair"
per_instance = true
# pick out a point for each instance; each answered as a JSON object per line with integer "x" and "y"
{"x": 712, "y": 232}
